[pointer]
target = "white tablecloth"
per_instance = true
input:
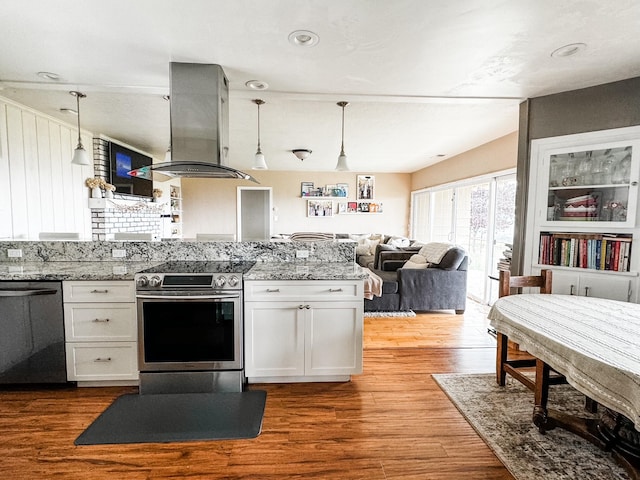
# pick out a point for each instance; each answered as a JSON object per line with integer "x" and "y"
{"x": 594, "y": 342}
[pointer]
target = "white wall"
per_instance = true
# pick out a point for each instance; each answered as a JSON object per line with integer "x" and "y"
{"x": 40, "y": 190}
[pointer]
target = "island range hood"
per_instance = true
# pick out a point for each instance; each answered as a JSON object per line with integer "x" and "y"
{"x": 199, "y": 103}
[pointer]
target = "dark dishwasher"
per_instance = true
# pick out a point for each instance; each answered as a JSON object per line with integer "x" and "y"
{"x": 31, "y": 333}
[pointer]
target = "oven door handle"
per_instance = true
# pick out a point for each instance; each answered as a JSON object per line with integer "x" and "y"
{"x": 189, "y": 297}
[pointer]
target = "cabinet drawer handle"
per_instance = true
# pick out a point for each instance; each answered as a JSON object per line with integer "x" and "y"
{"x": 273, "y": 290}
{"x": 102, "y": 360}
{"x": 100, "y": 291}
{"x": 101, "y": 320}
{"x": 335, "y": 289}
{"x": 571, "y": 291}
{"x": 586, "y": 291}
{"x": 301, "y": 307}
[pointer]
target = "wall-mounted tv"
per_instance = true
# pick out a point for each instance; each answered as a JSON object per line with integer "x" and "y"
{"x": 122, "y": 161}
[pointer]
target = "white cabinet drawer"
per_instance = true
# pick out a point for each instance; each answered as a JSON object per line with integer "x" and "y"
{"x": 102, "y": 361}
{"x": 325, "y": 290}
{"x": 99, "y": 292}
{"x": 87, "y": 322}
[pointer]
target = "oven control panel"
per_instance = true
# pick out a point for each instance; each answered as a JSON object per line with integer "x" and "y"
{"x": 159, "y": 281}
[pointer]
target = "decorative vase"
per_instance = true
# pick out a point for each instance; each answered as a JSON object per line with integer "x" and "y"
{"x": 108, "y": 194}
{"x": 96, "y": 192}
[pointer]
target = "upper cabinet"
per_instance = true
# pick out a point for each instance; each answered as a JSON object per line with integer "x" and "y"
{"x": 596, "y": 183}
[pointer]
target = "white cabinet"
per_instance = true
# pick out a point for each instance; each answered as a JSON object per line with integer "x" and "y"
{"x": 303, "y": 330}
{"x": 582, "y": 213}
{"x": 100, "y": 332}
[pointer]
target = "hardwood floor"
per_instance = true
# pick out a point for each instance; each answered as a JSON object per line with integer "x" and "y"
{"x": 391, "y": 422}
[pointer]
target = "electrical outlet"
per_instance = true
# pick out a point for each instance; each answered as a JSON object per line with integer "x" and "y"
{"x": 302, "y": 253}
{"x": 115, "y": 253}
{"x": 14, "y": 252}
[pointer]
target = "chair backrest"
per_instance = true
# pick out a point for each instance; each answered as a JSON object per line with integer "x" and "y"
{"x": 507, "y": 282}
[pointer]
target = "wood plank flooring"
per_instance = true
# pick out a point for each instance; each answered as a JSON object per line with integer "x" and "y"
{"x": 392, "y": 422}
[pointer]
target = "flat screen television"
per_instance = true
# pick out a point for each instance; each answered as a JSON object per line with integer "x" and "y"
{"x": 122, "y": 161}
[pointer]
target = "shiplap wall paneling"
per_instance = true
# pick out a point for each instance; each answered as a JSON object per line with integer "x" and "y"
{"x": 6, "y": 220}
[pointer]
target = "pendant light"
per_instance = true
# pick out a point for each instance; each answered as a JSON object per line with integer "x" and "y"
{"x": 258, "y": 161}
{"x": 342, "y": 159}
{"x": 80, "y": 155}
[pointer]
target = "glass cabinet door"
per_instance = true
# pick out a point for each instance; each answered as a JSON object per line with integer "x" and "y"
{"x": 594, "y": 185}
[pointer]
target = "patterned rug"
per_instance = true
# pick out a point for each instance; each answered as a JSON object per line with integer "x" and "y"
{"x": 408, "y": 313}
{"x": 502, "y": 417}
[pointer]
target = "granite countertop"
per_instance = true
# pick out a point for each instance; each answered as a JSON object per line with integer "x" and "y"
{"x": 305, "y": 271}
{"x": 34, "y": 271}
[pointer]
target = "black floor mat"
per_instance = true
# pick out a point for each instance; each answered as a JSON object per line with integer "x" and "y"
{"x": 182, "y": 417}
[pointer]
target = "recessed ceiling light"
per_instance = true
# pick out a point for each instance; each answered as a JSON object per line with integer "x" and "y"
{"x": 303, "y": 38}
{"x": 257, "y": 85}
{"x": 49, "y": 76}
{"x": 70, "y": 111}
{"x": 568, "y": 50}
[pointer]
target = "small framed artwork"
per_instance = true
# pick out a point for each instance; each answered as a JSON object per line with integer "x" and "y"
{"x": 352, "y": 207}
{"x": 343, "y": 189}
{"x": 329, "y": 191}
{"x": 320, "y": 208}
{"x": 306, "y": 189}
{"x": 363, "y": 207}
{"x": 366, "y": 187}
{"x": 342, "y": 207}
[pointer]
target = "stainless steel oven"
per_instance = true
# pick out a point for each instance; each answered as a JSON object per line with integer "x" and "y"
{"x": 190, "y": 327}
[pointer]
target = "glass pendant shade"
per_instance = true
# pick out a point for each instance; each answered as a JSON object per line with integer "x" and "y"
{"x": 259, "y": 162}
{"x": 80, "y": 155}
{"x": 342, "y": 163}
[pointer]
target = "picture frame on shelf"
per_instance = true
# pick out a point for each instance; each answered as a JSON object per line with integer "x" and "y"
{"x": 363, "y": 207}
{"x": 320, "y": 208}
{"x": 306, "y": 189}
{"x": 365, "y": 187}
{"x": 352, "y": 207}
{"x": 330, "y": 190}
{"x": 342, "y": 207}
{"x": 343, "y": 189}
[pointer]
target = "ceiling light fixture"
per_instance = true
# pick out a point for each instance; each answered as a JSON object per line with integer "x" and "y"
{"x": 568, "y": 50}
{"x": 80, "y": 155}
{"x": 49, "y": 76}
{"x": 301, "y": 153}
{"x": 256, "y": 85}
{"x": 258, "y": 161}
{"x": 342, "y": 159}
{"x": 303, "y": 38}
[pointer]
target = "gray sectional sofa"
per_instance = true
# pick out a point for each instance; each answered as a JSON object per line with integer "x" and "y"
{"x": 441, "y": 286}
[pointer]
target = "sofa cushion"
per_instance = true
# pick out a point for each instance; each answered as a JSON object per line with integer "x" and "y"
{"x": 389, "y": 281}
{"x": 398, "y": 241}
{"x": 381, "y": 247}
{"x": 365, "y": 260}
{"x": 452, "y": 259}
{"x": 412, "y": 264}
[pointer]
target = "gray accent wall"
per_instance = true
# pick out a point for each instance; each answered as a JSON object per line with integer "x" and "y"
{"x": 603, "y": 107}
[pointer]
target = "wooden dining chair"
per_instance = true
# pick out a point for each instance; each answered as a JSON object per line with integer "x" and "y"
{"x": 505, "y": 365}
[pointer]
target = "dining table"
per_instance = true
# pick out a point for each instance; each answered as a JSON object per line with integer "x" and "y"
{"x": 595, "y": 344}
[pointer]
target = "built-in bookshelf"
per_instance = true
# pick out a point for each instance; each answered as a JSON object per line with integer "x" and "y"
{"x": 594, "y": 251}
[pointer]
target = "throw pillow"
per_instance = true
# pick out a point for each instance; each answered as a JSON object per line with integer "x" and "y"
{"x": 362, "y": 250}
{"x": 417, "y": 258}
{"x": 398, "y": 242}
{"x": 412, "y": 265}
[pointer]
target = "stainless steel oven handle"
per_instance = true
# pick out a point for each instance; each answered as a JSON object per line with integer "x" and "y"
{"x": 188, "y": 297}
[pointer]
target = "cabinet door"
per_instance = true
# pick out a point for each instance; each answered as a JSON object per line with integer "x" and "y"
{"x": 614, "y": 288}
{"x": 274, "y": 339}
{"x": 590, "y": 285}
{"x": 333, "y": 338}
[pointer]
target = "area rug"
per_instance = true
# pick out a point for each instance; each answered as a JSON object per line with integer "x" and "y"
{"x": 502, "y": 417}
{"x": 408, "y": 313}
{"x": 182, "y": 417}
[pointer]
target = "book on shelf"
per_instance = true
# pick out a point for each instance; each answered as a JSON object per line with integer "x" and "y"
{"x": 585, "y": 250}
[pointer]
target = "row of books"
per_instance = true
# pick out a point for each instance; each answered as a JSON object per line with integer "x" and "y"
{"x": 597, "y": 252}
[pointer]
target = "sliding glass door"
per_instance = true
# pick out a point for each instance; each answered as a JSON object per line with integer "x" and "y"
{"x": 477, "y": 214}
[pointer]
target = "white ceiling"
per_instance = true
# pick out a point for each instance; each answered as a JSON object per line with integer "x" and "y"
{"x": 424, "y": 77}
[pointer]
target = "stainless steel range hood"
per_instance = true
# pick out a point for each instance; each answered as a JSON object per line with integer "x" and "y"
{"x": 199, "y": 100}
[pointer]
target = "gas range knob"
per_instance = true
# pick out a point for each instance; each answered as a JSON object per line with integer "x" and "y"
{"x": 220, "y": 281}
{"x": 142, "y": 281}
{"x": 233, "y": 281}
{"x": 155, "y": 281}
